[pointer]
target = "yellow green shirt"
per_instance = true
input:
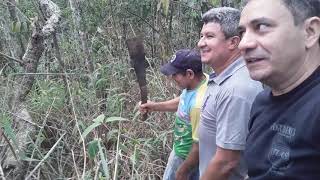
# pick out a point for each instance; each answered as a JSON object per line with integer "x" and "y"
{"x": 187, "y": 119}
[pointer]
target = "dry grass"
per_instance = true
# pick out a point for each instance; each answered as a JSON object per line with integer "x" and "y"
{"x": 131, "y": 149}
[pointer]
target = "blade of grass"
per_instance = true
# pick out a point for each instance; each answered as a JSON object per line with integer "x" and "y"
{"x": 103, "y": 161}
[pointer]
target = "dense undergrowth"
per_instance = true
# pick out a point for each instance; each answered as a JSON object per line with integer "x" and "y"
{"x": 116, "y": 142}
{"x": 85, "y": 124}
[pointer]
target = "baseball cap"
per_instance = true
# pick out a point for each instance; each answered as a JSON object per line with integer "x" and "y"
{"x": 182, "y": 60}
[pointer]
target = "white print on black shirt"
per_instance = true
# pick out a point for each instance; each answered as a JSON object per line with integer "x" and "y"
{"x": 279, "y": 154}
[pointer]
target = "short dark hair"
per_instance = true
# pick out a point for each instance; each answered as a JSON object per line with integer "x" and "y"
{"x": 197, "y": 73}
{"x": 301, "y": 9}
{"x": 227, "y": 17}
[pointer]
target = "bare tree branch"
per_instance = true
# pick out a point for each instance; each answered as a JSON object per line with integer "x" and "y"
{"x": 11, "y": 58}
{"x": 46, "y": 74}
{"x": 45, "y": 157}
{"x": 143, "y": 19}
{"x": 2, "y": 177}
{"x": 9, "y": 144}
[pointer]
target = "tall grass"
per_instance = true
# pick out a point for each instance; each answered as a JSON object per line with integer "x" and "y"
{"x": 116, "y": 143}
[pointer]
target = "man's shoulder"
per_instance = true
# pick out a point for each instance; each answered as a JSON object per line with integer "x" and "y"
{"x": 240, "y": 84}
{"x": 262, "y": 98}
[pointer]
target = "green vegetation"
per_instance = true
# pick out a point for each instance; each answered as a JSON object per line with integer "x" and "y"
{"x": 85, "y": 124}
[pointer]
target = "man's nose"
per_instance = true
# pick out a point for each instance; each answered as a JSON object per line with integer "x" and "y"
{"x": 248, "y": 41}
{"x": 201, "y": 42}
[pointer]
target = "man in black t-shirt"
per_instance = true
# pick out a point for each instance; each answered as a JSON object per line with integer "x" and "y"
{"x": 281, "y": 46}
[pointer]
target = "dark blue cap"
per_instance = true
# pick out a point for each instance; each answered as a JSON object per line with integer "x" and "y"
{"x": 182, "y": 60}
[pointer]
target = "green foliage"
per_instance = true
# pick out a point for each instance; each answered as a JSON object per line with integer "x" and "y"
{"x": 19, "y": 27}
{"x": 118, "y": 145}
{"x": 101, "y": 75}
{"x": 98, "y": 121}
{"x": 96, "y": 16}
{"x": 16, "y": 26}
{"x": 6, "y": 124}
{"x": 165, "y": 5}
{"x": 28, "y": 8}
{"x": 47, "y": 93}
{"x": 103, "y": 161}
{"x": 93, "y": 148}
{"x": 215, "y": 3}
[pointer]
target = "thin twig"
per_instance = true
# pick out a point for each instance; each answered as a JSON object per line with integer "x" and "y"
{"x": 75, "y": 164}
{"x": 20, "y": 12}
{"x": 142, "y": 19}
{"x": 46, "y": 74}
{"x": 117, "y": 154}
{"x": 4, "y": 67}
{"x": 10, "y": 145}
{"x": 24, "y": 119}
{"x": 186, "y": 5}
{"x": 45, "y": 157}
{"x": 97, "y": 171}
{"x": 12, "y": 58}
{"x": 37, "y": 142}
{"x": 79, "y": 131}
{"x": 2, "y": 177}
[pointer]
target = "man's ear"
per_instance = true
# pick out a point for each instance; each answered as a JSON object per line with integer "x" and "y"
{"x": 234, "y": 42}
{"x": 190, "y": 73}
{"x": 312, "y": 31}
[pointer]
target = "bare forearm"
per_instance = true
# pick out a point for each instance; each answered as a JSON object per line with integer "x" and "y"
{"x": 189, "y": 163}
{"x": 216, "y": 171}
{"x": 170, "y": 105}
{"x": 222, "y": 164}
{"x": 192, "y": 159}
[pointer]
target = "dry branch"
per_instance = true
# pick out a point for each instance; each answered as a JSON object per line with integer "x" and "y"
{"x": 2, "y": 177}
{"x": 45, "y": 157}
{"x": 11, "y": 58}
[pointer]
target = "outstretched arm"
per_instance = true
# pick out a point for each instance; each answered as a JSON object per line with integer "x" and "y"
{"x": 170, "y": 105}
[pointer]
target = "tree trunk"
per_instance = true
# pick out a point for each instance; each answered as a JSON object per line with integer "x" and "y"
{"x": 35, "y": 48}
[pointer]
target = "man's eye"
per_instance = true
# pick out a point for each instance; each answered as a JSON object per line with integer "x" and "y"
{"x": 262, "y": 27}
{"x": 209, "y": 36}
{"x": 241, "y": 32}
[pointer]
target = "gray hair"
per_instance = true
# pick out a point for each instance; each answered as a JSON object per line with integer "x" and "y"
{"x": 227, "y": 17}
{"x": 303, "y": 9}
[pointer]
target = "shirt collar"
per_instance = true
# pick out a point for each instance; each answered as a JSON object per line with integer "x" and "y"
{"x": 229, "y": 71}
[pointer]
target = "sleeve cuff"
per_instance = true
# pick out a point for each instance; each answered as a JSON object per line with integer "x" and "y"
{"x": 231, "y": 146}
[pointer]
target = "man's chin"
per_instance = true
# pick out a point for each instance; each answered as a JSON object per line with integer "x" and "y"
{"x": 205, "y": 61}
{"x": 257, "y": 76}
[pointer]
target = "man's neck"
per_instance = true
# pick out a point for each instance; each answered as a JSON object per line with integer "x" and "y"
{"x": 312, "y": 62}
{"x": 229, "y": 60}
{"x": 196, "y": 82}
